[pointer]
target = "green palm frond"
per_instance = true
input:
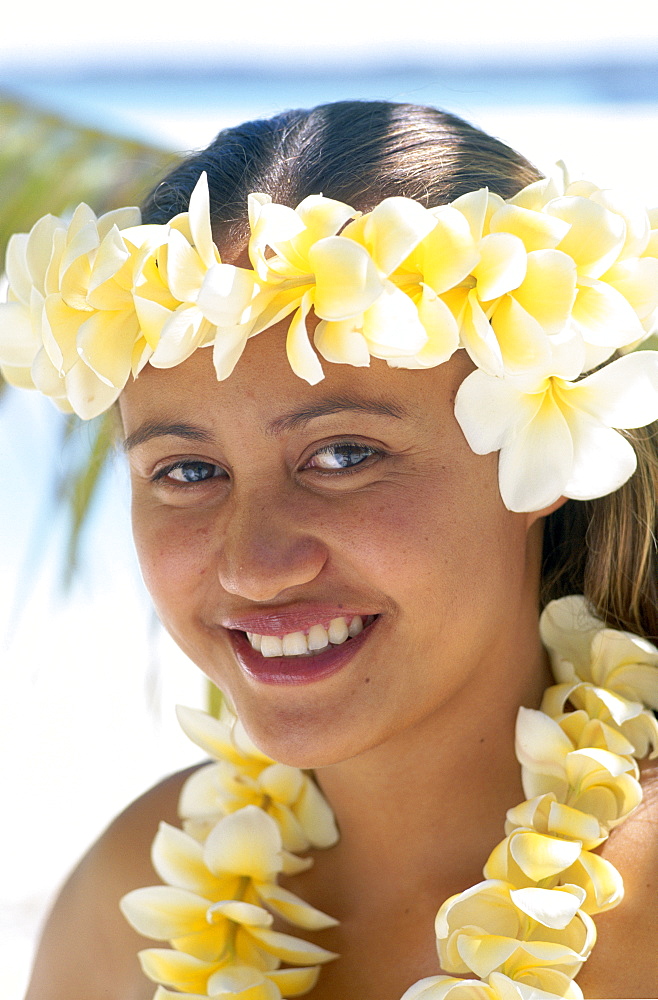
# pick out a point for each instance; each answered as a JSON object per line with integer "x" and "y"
{"x": 50, "y": 164}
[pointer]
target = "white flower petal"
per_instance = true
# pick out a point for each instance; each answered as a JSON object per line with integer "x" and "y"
{"x": 393, "y": 229}
{"x": 392, "y": 326}
{"x": 246, "y": 843}
{"x": 603, "y": 316}
{"x": 19, "y": 342}
{"x": 502, "y": 265}
{"x": 535, "y": 463}
{"x": 225, "y": 294}
{"x": 346, "y": 279}
{"x": 490, "y": 409}
{"x": 624, "y": 394}
{"x": 228, "y": 348}
{"x": 596, "y": 236}
{"x": 303, "y": 359}
{"x": 550, "y": 907}
{"x": 39, "y": 249}
{"x": 478, "y": 337}
{"x": 16, "y": 269}
{"x": 88, "y": 396}
{"x": 185, "y": 269}
{"x": 105, "y": 342}
{"x": 524, "y": 346}
{"x": 602, "y": 459}
{"x": 199, "y": 218}
{"x": 341, "y": 343}
{"x": 540, "y": 743}
{"x": 181, "y": 334}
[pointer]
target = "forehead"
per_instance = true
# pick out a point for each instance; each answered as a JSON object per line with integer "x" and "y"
{"x": 264, "y": 390}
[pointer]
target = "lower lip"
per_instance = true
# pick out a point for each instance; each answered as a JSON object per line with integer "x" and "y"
{"x": 296, "y": 669}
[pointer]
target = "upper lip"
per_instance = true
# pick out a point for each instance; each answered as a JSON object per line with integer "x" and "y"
{"x": 283, "y": 621}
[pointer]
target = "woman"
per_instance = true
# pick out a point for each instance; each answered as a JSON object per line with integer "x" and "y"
{"x": 353, "y": 541}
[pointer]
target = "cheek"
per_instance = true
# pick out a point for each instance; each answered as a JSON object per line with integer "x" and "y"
{"x": 174, "y": 559}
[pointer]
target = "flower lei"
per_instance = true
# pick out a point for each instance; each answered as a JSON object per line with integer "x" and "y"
{"x": 540, "y": 290}
{"x": 524, "y": 931}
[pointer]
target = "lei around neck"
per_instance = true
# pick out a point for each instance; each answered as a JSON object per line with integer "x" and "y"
{"x": 540, "y": 290}
{"x": 523, "y": 933}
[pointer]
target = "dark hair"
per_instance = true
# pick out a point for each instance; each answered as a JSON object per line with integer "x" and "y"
{"x": 360, "y": 152}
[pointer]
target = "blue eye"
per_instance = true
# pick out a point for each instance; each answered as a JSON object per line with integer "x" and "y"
{"x": 335, "y": 457}
{"x": 189, "y": 472}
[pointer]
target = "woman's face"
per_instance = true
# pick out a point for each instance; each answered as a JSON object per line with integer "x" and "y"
{"x": 264, "y": 505}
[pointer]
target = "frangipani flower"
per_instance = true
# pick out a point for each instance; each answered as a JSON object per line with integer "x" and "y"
{"x": 311, "y": 266}
{"x": 248, "y": 984}
{"x": 287, "y": 794}
{"x": 199, "y": 979}
{"x": 610, "y": 674}
{"x": 344, "y": 278}
{"x": 546, "y": 815}
{"x": 543, "y": 984}
{"x": 70, "y": 318}
{"x": 211, "y": 300}
{"x": 527, "y": 858}
{"x": 521, "y": 291}
{"x": 211, "y": 910}
{"x": 495, "y": 927}
{"x": 245, "y": 776}
{"x": 224, "y": 739}
{"x": 557, "y": 437}
{"x": 241, "y": 858}
{"x": 442, "y": 259}
{"x": 617, "y": 284}
{"x": 610, "y": 239}
{"x": 551, "y": 843}
{"x": 588, "y": 779}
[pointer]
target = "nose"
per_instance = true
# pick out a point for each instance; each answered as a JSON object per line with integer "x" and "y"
{"x": 265, "y": 548}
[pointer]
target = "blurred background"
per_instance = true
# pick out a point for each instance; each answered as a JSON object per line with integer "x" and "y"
{"x": 94, "y": 104}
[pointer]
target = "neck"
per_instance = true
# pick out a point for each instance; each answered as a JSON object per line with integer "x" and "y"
{"x": 428, "y": 806}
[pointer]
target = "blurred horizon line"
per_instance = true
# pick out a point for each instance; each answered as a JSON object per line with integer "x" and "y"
{"x": 385, "y": 62}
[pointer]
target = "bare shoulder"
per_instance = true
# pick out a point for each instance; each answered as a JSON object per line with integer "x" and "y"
{"x": 87, "y": 948}
{"x": 625, "y": 960}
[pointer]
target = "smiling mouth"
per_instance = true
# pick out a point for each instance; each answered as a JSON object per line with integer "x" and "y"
{"x": 311, "y": 642}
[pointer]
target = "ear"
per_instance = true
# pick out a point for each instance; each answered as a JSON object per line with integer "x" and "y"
{"x": 535, "y": 515}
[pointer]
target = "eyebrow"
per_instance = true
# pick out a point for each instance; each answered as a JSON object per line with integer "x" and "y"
{"x": 289, "y": 421}
{"x": 335, "y": 404}
{"x": 153, "y": 429}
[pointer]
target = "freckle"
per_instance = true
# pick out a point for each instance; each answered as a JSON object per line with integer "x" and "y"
{"x": 482, "y": 739}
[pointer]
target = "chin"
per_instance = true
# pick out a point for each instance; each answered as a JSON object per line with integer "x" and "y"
{"x": 300, "y": 738}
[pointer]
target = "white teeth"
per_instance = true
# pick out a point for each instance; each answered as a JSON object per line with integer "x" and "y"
{"x": 317, "y": 639}
{"x": 294, "y": 644}
{"x": 271, "y": 645}
{"x": 356, "y": 626}
{"x": 338, "y": 631}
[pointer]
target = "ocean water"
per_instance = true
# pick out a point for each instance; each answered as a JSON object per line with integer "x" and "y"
{"x": 143, "y": 102}
{"x": 600, "y": 116}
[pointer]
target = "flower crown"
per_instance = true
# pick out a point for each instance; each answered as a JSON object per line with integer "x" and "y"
{"x": 539, "y": 289}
